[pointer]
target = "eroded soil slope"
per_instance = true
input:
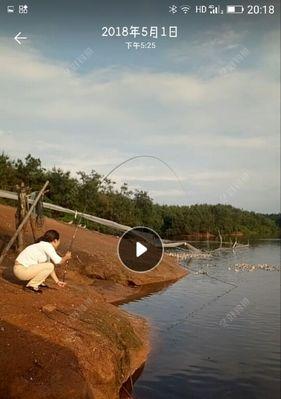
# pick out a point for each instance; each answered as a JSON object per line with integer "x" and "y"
{"x": 71, "y": 342}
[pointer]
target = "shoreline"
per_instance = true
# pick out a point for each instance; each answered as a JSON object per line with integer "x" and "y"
{"x": 80, "y": 325}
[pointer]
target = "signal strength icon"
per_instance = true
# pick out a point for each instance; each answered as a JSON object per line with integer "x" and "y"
{"x": 185, "y": 9}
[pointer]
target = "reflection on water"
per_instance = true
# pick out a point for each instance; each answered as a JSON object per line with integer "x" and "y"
{"x": 194, "y": 354}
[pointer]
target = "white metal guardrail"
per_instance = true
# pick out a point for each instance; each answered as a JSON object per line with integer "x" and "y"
{"x": 104, "y": 222}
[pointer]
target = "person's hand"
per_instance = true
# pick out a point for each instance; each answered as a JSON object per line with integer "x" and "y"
{"x": 61, "y": 284}
{"x": 68, "y": 255}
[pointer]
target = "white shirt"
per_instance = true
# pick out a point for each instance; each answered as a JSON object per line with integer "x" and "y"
{"x": 41, "y": 252}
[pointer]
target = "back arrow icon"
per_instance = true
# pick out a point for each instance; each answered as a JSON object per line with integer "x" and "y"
{"x": 18, "y": 38}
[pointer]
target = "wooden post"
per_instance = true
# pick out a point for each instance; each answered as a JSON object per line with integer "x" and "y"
{"x": 31, "y": 220}
{"x": 21, "y": 212}
{"x": 22, "y": 224}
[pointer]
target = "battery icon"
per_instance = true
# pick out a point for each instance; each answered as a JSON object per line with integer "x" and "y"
{"x": 234, "y": 9}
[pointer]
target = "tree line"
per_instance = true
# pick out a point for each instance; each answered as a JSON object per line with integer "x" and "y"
{"x": 102, "y": 198}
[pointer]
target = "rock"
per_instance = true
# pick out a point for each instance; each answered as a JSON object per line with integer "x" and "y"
{"x": 70, "y": 343}
{"x": 49, "y": 308}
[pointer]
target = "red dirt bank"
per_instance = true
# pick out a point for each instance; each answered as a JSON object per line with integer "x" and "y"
{"x": 71, "y": 342}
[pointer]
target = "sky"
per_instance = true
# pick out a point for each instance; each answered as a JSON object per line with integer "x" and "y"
{"x": 207, "y": 103}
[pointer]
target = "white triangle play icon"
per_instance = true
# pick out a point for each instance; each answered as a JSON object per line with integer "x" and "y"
{"x": 140, "y": 249}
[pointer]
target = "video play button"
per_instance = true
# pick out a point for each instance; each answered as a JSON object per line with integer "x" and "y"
{"x": 140, "y": 249}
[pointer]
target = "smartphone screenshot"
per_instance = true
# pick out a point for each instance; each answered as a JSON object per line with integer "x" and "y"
{"x": 139, "y": 199}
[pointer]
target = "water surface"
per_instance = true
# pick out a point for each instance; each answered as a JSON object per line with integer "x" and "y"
{"x": 215, "y": 340}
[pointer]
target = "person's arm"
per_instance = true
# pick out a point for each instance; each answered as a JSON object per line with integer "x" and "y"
{"x": 57, "y": 281}
{"x": 52, "y": 254}
{"x": 65, "y": 258}
{"x": 57, "y": 260}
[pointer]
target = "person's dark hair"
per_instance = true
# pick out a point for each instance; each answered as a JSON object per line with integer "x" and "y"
{"x": 49, "y": 236}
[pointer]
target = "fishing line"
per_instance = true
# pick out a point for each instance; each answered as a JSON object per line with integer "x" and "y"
{"x": 206, "y": 304}
{"x": 151, "y": 157}
{"x": 196, "y": 311}
{"x": 100, "y": 183}
{"x": 164, "y": 163}
{"x": 71, "y": 243}
{"x": 81, "y": 216}
{"x": 196, "y": 272}
{"x": 212, "y": 277}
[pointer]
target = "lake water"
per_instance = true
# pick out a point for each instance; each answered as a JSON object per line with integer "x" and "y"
{"x": 215, "y": 340}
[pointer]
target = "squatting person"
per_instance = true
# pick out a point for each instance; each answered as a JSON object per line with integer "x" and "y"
{"x": 37, "y": 261}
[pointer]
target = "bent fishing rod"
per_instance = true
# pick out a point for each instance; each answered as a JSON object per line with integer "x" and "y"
{"x": 81, "y": 215}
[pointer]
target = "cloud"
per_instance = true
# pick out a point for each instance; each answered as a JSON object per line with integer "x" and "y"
{"x": 208, "y": 130}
